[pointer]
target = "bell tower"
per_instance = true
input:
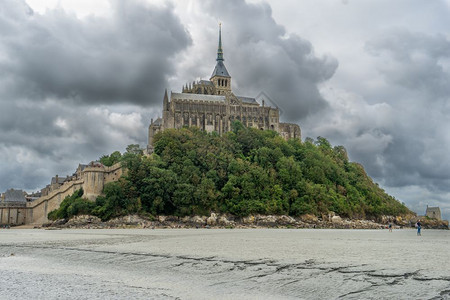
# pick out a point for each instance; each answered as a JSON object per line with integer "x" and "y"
{"x": 220, "y": 76}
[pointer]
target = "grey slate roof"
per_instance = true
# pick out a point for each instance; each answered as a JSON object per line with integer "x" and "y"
{"x": 247, "y": 100}
{"x": 206, "y": 82}
{"x": 198, "y": 97}
{"x": 13, "y": 195}
{"x": 220, "y": 70}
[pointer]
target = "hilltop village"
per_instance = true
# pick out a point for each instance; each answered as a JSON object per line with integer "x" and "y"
{"x": 208, "y": 105}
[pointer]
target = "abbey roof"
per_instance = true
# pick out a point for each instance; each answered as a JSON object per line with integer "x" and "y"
{"x": 198, "y": 97}
{"x": 220, "y": 70}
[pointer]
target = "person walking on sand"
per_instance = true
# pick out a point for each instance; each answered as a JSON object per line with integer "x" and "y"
{"x": 390, "y": 227}
{"x": 419, "y": 227}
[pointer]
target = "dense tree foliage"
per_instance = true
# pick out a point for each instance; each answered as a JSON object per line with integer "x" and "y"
{"x": 71, "y": 206}
{"x": 245, "y": 171}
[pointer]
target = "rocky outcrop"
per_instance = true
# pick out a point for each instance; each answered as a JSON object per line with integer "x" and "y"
{"x": 216, "y": 220}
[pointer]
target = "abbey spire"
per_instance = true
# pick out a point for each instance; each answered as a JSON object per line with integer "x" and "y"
{"x": 219, "y": 49}
{"x": 220, "y": 77}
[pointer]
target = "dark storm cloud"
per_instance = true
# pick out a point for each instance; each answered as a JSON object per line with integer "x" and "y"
{"x": 402, "y": 141}
{"x": 125, "y": 57}
{"x": 39, "y": 140}
{"x": 262, "y": 56}
{"x": 55, "y": 71}
{"x": 418, "y": 64}
{"x": 415, "y": 61}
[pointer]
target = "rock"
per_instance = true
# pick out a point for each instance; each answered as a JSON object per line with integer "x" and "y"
{"x": 331, "y": 214}
{"x": 285, "y": 220}
{"x": 223, "y": 221}
{"x": 311, "y": 219}
{"x": 248, "y": 220}
{"x": 77, "y": 221}
{"x": 168, "y": 219}
{"x": 212, "y": 220}
{"x": 130, "y": 220}
{"x": 59, "y": 222}
{"x": 197, "y": 220}
{"x": 336, "y": 220}
{"x": 186, "y": 219}
{"x": 266, "y": 221}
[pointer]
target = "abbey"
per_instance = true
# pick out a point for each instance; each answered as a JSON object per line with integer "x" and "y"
{"x": 212, "y": 106}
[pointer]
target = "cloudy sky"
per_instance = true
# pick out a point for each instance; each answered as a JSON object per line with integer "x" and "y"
{"x": 80, "y": 78}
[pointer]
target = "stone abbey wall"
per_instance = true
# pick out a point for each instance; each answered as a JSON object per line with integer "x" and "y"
{"x": 213, "y": 116}
{"x": 92, "y": 181}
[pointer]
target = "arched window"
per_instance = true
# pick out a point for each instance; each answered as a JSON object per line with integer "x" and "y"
{"x": 226, "y": 82}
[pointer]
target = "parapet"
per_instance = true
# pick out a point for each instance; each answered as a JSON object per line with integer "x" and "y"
{"x": 290, "y": 131}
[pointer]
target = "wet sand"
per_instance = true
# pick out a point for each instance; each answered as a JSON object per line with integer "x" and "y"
{"x": 224, "y": 264}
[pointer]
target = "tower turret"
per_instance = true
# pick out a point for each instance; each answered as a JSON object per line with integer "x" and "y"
{"x": 220, "y": 76}
{"x": 165, "y": 101}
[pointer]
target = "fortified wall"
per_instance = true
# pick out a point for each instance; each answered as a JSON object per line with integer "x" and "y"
{"x": 92, "y": 179}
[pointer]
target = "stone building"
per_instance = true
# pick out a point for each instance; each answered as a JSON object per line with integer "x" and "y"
{"x": 433, "y": 212}
{"x": 212, "y": 106}
{"x": 16, "y": 210}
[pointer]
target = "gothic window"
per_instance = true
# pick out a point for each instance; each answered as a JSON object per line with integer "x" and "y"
{"x": 226, "y": 82}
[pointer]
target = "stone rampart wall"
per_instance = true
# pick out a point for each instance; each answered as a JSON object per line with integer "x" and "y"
{"x": 13, "y": 215}
{"x": 36, "y": 212}
{"x": 39, "y": 209}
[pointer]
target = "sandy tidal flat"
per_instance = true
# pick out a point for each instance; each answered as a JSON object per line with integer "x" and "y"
{"x": 224, "y": 264}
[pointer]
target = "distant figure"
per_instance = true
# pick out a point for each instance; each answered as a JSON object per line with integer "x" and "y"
{"x": 390, "y": 227}
{"x": 419, "y": 227}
